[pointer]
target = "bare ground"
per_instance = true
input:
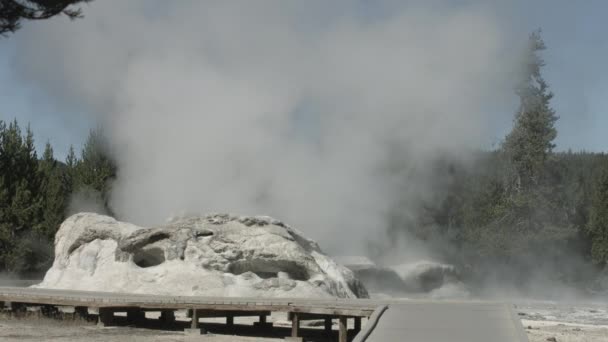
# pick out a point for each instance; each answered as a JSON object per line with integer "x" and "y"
{"x": 25, "y": 330}
{"x": 559, "y": 322}
{"x": 543, "y": 331}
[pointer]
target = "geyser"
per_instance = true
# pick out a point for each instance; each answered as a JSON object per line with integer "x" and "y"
{"x": 213, "y": 255}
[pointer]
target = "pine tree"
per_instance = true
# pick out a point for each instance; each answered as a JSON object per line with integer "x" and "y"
{"x": 96, "y": 169}
{"x": 71, "y": 160}
{"x": 21, "y": 211}
{"x": 10, "y": 151}
{"x": 530, "y": 143}
{"x": 529, "y": 146}
{"x": 54, "y": 193}
{"x": 69, "y": 174}
{"x": 6, "y": 239}
{"x": 598, "y": 220}
{"x": 13, "y": 12}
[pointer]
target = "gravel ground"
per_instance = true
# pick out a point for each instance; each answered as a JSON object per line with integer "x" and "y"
{"x": 25, "y": 330}
{"x": 49, "y": 330}
{"x": 563, "y": 322}
{"x": 543, "y": 331}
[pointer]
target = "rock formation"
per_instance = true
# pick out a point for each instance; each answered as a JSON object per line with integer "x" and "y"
{"x": 428, "y": 278}
{"x": 436, "y": 279}
{"x": 376, "y": 279}
{"x": 214, "y": 255}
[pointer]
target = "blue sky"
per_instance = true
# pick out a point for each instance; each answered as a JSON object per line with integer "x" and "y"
{"x": 574, "y": 31}
{"x": 62, "y": 127}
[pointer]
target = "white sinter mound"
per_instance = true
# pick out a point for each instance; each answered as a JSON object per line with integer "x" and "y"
{"x": 214, "y": 255}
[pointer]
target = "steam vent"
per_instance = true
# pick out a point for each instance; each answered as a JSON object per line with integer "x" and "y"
{"x": 214, "y": 255}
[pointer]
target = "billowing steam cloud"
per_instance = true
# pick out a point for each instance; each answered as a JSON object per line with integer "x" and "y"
{"x": 290, "y": 109}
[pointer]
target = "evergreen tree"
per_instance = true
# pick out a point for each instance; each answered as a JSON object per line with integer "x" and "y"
{"x": 53, "y": 192}
{"x": 69, "y": 174}
{"x": 71, "y": 160}
{"x": 12, "y": 12}
{"x": 530, "y": 143}
{"x": 598, "y": 220}
{"x": 95, "y": 170}
{"x": 21, "y": 210}
{"x": 6, "y": 236}
{"x": 530, "y": 188}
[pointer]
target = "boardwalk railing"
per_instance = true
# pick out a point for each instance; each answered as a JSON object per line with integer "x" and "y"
{"x": 372, "y": 322}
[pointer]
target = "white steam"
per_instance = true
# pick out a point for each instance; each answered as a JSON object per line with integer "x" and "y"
{"x": 290, "y": 109}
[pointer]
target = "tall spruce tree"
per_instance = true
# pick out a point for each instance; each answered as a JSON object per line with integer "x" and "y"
{"x": 516, "y": 220}
{"x": 528, "y": 148}
{"x": 530, "y": 143}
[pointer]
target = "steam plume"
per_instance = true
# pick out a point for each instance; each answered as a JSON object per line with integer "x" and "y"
{"x": 290, "y": 109}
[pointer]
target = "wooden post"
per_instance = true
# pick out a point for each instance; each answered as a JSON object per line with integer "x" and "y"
{"x": 262, "y": 322}
{"x": 18, "y": 309}
{"x": 136, "y": 316}
{"x": 357, "y": 324}
{"x": 194, "y": 319}
{"x": 81, "y": 312}
{"x": 167, "y": 317}
{"x": 342, "y": 337}
{"x": 295, "y": 324}
{"x": 328, "y": 325}
{"x": 195, "y": 328}
{"x": 106, "y": 317}
{"x": 229, "y": 320}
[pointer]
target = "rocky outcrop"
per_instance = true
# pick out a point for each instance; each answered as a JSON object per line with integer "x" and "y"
{"x": 214, "y": 255}
{"x": 376, "y": 279}
{"x": 428, "y": 278}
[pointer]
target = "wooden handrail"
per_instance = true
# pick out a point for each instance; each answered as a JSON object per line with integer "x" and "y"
{"x": 371, "y": 324}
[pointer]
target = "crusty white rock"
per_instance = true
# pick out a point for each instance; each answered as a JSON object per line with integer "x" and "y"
{"x": 214, "y": 255}
{"x": 437, "y": 279}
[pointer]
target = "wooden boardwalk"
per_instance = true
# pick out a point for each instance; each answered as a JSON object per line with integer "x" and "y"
{"x": 389, "y": 320}
{"x": 448, "y": 321}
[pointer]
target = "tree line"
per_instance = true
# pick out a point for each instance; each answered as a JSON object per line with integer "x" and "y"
{"x": 36, "y": 194}
{"x": 523, "y": 210}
